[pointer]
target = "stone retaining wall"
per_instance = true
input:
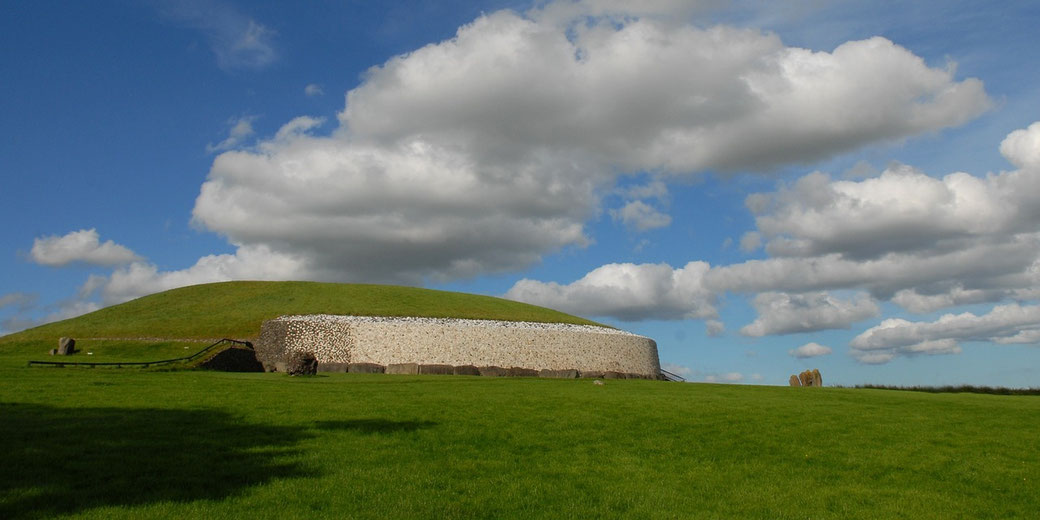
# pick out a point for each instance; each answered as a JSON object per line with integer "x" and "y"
{"x": 454, "y": 342}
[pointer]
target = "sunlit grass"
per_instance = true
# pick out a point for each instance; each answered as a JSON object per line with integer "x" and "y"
{"x": 204, "y": 444}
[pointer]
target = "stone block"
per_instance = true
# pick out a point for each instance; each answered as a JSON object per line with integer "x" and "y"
{"x": 558, "y": 374}
{"x": 436, "y": 370}
{"x": 521, "y": 372}
{"x": 66, "y": 346}
{"x": 332, "y": 367}
{"x": 794, "y": 381}
{"x": 466, "y": 370}
{"x": 493, "y": 371}
{"x": 366, "y": 368}
{"x": 817, "y": 378}
{"x": 591, "y": 374}
{"x": 613, "y": 375}
{"x": 402, "y": 368}
{"x": 301, "y": 364}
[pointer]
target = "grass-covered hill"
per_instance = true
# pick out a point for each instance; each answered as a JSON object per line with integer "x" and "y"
{"x": 236, "y": 310}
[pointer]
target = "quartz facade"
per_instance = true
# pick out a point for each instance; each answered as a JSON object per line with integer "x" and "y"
{"x": 457, "y": 342}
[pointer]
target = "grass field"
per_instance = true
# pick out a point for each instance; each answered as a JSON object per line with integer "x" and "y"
{"x": 132, "y": 443}
{"x": 109, "y": 443}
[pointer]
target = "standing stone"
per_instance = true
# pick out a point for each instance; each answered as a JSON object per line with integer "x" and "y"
{"x": 817, "y": 378}
{"x": 794, "y": 381}
{"x": 301, "y": 364}
{"x": 804, "y": 378}
{"x": 66, "y": 346}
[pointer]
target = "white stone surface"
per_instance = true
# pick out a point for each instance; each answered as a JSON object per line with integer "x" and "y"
{"x": 386, "y": 341}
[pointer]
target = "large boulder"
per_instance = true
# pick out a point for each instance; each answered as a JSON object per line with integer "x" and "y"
{"x": 366, "y": 368}
{"x": 493, "y": 371}
{"x": 794, "y": 381}
{"x": 66, "y": 347}
{"x": 466, "y": 370}
{"x": 817, "y": 378}
{"x": 438, "y": 370}
{"x": 402, "y": 368}
{"x": 301, "y": 364}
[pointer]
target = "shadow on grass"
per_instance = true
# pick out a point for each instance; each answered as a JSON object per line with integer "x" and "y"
{"x": 374, "y": 425}
{"x": 66, "y": 460}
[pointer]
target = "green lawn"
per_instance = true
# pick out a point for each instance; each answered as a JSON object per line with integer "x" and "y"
{"x": 110, "y": 443}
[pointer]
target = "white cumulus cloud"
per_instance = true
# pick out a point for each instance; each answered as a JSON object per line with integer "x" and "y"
{"x": 782, "y": 313}
{"x": 628, "y": 292}
{"x": 640, "y": 216}
{"x": 79, "y": 246}
{"x": 810, "y": 350}
{"x": 1005, "y": 324}
{"x": 484, "y": 152}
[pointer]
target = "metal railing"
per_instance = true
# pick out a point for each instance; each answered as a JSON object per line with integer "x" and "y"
{"x": 142, "y": 364}
{"x": 668, "y": 376}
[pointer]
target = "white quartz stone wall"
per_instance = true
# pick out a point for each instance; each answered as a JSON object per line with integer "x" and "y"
{"x": 386, "y": 341}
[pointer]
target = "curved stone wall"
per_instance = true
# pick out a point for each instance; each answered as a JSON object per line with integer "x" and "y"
{"x": 438, "y": 341}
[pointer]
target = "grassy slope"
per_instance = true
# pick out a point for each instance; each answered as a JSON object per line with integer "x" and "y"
{"x": 132, "y": 444}
{"x": 236, "y": 310}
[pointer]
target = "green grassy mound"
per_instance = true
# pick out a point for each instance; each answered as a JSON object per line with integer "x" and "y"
{"x": 236, "y": 310}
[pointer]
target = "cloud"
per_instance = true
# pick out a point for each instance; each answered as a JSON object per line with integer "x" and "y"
{"x": 921, "y": 242}
{"x": 1004, "y": 324}
{"x": 1022, "y": 147}
{"x": 627, "y": 292}
{"x": 313, "y": 90}
{"x": 640, "y": 216}
{"x": 680, "y": 370}
{"x": 240, "y": 130}
{"x": 482, "y": 153}
{"x": 18, "y": 300}
{"x": 237, "y": 41}
{"x": 714, "y": 328}
{"x": 782, "y": 313}
{"x": 810, "y": 350}
{"x": 725, "y": 377}
{"x": 79, "y": 246}
{"x": 248, "y": 263}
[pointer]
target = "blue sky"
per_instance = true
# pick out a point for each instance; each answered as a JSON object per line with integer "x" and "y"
{"x": 853, "y": 186}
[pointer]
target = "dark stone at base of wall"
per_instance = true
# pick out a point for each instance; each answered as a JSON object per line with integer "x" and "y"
{"x": 438, "y": 370}
{"x": 333, "y": 367}
{"x": 493, "y": 371}
{"x": 521, "y": 372}
{"x": 469, "y": 370}
{"x": 366, "y": 368}
{"x": 466, "y": 370}
{"x": 558, "y": 374}
{"x": 403, "y": 368}
{"x": 301, "y": 364}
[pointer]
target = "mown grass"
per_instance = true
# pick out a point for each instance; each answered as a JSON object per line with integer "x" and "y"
{"x": 236, "y": 310}
{"x": 138, "y": 444}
